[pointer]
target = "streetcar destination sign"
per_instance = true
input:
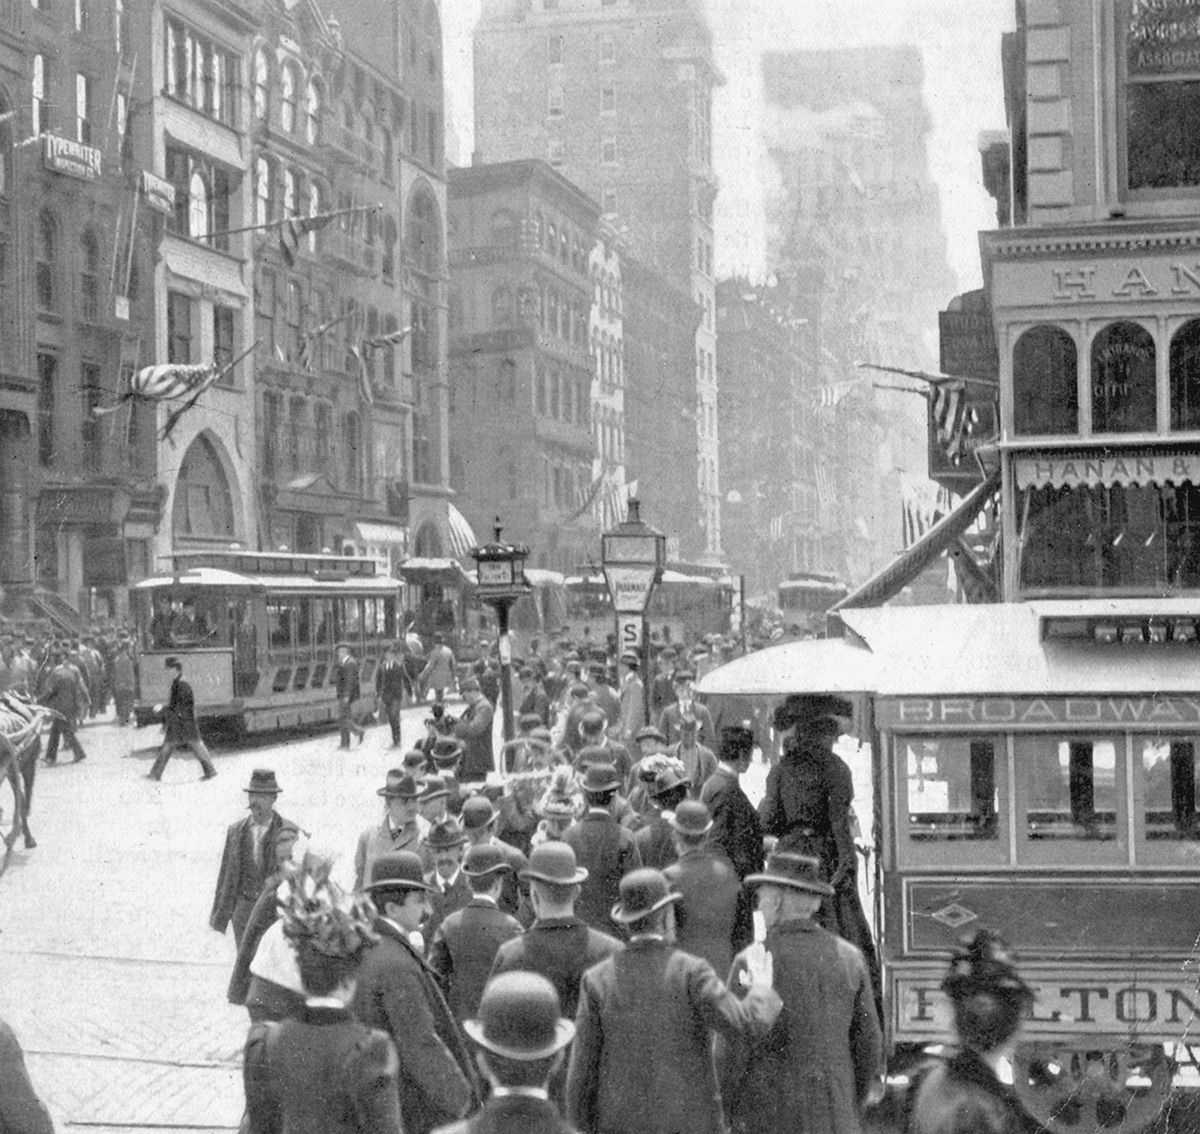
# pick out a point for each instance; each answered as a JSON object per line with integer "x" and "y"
{"x": 1035, "y": 712}
{"x": 1161, "y": 1006}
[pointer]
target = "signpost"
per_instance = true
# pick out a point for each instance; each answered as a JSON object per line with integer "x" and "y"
{"x": 633, "y": 555}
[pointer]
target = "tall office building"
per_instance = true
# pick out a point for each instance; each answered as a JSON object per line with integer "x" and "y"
{"x": 617, "y": 96}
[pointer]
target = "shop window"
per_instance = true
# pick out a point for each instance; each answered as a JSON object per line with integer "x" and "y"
{"x": 1170, "y": 776}
{"x": 1123, "y": 380}
{"x": 1045, "y": 383}
{"x": 1185, "y": 377}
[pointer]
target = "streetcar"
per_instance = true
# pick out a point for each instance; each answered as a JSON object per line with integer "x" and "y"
{"x": 1032, "y": 768}
{"x": 540, "y": 613}
{"x": 683, "y": 609}
{"x": 805, "y": 599}
{"x": 256, "y": 633}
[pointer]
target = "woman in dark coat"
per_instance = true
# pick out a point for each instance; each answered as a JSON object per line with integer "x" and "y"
{"x": 323, "y": 1072}
{"x": 962, "y": 1094}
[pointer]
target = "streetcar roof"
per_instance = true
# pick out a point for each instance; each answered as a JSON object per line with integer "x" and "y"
{"x": 971, "y": 650}
{"x": 215, "y": 578}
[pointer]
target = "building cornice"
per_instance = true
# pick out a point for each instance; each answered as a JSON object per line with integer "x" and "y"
{"x": 1144, "y": 236}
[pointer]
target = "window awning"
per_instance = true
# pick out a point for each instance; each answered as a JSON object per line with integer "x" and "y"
{"x": 462, "y": 538}
{"x": 904, "y": 568}
{"x": 437, "y": 572}
{"x": 1133, "y": 469}
{"x": 381, "y": 535}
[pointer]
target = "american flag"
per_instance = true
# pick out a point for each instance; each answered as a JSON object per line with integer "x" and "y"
{"x": 951, "y": 417}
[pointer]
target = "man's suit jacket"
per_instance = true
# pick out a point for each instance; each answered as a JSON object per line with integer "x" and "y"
{"x": 656, "y": 843}
{"x": 561, "y": 950}
{"x": 608, "y": 852}
{"x": 179, "y": 713}
{"x": 707, "y": 915}
{"x": 389, "y": 682}
{"x": 21, "y": 1111}
{"x": 443, "y": 902}
{"x": 238, "y": 876}
{"x": 398, "y": 993}
{"x": 668, "y": 723}
{"x": 378, "y": 840}
{"x": 736, "y": 826}
{"x": 642, "y": 1060}
{"x": 633, "y": 707}
{"x": 348, "y": 687}
{"x": 463, "y": 950}
{"x": 513, "y": 1114}
{"x": 474, "y": 729}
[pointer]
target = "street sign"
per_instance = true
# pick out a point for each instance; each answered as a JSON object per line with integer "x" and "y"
{"x": 630, "y": 628}
{"x": 630, "y": 587}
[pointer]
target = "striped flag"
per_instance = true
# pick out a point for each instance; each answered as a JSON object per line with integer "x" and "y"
{"x": 392, "y": 338}
{"x": 365, "y": 393}
{"x": 950, "y": 416}
{"x": 293, "y": 230}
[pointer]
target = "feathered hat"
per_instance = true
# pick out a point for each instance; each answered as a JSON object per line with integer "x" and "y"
{"x": 562, "y": 799}
{"x": 318, "y": 913}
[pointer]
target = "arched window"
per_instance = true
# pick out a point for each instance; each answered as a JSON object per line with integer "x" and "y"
{"x": 312, "y": 112}
{"x": 1123, "y": 380}
{"x": 316, "y": 205}
{"x": 503, "y": 311}
{"x": 1185, "y": 377}
{"x": 46, "y": 269}
{"x": 289, "y": 192}
{"x": 388, "y": 259}
{"x": 262, "y": 88}
{"x": 505, "y": 229}
{"x": 89, "y": 276}
{"x": 289, "y": 91}
{"x": 1045, "y": 382}
{"x": 262, "y": 191}
{"x": 536, "y": 227}
{"x": 198, "y": 213}
{"x": 203, "y": 504}
{"x": 424, "y": 241}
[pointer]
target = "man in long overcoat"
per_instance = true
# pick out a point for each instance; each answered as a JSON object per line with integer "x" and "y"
{"x": 398, "y": 993}
{"x": 180, "y": 729}
{"x": 63, "y": 690}
{"x": 349, "y": 689}
{"x": 817, "y": 1067}
{"x": 399, "y": 829}
{"x": 474, "y": 729}
{"x": 643, "y": 1061}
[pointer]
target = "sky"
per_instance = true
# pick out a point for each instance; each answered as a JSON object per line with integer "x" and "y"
{"x": 960, "y": 44}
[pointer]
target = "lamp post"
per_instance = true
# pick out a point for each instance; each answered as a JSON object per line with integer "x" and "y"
{"x": 501, "y": 572}
{"x": 633, "y": 555}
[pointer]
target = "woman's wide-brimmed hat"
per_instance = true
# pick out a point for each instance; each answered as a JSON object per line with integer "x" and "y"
{"x": 520, "y": 1018}
{"x": 795, "y": 871}
{"x": 643, "y": 892}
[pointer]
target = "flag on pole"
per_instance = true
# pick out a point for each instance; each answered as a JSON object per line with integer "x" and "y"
{"x": 365, "y": 393}
{"x": 392, "y": 338}
{"x": 950, "y": 416}
{"x": 295, "y": 229}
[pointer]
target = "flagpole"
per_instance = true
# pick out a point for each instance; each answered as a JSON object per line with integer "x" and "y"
{"x": 284, "y": 220}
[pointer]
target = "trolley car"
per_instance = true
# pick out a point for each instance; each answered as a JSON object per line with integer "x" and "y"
{"x": 257, "y": 633}
{"x": 682, "y": 609}
{"x": 1033, "y": 768}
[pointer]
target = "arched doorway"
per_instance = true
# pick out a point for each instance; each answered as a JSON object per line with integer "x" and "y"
{"x": 203, "y": 507}
{"x": 428, "y": 542}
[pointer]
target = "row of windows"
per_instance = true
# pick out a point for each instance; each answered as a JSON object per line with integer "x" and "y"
{"x": 554, "y": 100}
{"x": 606, "y": 48}
{"x": 52, "y": 268}
{"x": 201, "y": 73}
{"x": 1122, "y": 381}
{"x": 606, "y": 292}
{"x": 564, "y": 486}
{"x": 609, "y": 428}
{"x": 298, "y": 437}
{"x": 562, "y": 394}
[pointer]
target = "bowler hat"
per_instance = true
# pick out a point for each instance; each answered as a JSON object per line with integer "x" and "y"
{"x": 446, "y": 750}
{"x": 650, "y": 732}
{"x": 344, "y": 646}
{"x": 691, "y": 817}
{"x": 477, "y": 812}
{"x": 630, "y": 657}
{"x": 681, "y": 675}
{"x": 528, "y": 721}
{"x": 263, "y": 782}
{"x": 601, "y": 776}
{"x": 642, "y": 893}
{"x": 554, "y": 861}
{"x": 520, "y": 1018}
{"x": 669, "y": 779}
{"x": 172, "y": 663}
{"x": 398, "y": 869}
{"x": 486, "y": 859}
{"x": 399, "y": 785}
{"x": 414, "y": 758}
{"x": 432, "y": 787}
{"x": 471, "y": 685}
{"x": 592, "y": 721}
{"x": 444, "y": 835}
{"x": 798, "y": 871}
{"x": 526, "y": 673}
{"x": 542, "y": 735}
{"x": 579, "y": 691}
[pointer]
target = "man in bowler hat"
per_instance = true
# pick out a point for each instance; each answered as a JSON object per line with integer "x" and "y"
{"x": 398, "y": 993}
{"x": 819, "y": 1065}
{"x": 249, "y": 855}
{"x": 399, "y": 829}
{"x": 521, "y": 1035}
{"x": 349, "y": 689}
{"x": 450, "y": 890}
{"x": 465, "y": 944}
{"x": 642, "y": 1062}
{"x": 180, "y": 728}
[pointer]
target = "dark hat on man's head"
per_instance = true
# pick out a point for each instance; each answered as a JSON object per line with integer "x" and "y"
{"x": 171, "y": 663}
{"x": 526, "y": 673}
{"x": 578, "y": 690}
{"x": 398, "y": 869}
{"x": 668, "y": 780}
{"x": 643, "y": 892}
{"x": 807, "y": 709}
{"x": 528, "y": 721}
{"x": 263, "y": 782}
{"x": 444, "y": 835}
{"x": 593, "y": 720}
{"x": 477, "y": 812}
{"x": 520, "y": 1018}
{"x": 446, "y": 751}
{"x": 554, "y": 861}
{"x": 737, "y": 742}
{"x": 683, "y": 674}
{"x": 414, "y": 758}
{"x": 599, "y": 776}
{"x": 486, "y": 859}
{"x": 691, "y": 818}
{"x": 630, "y": 657}
{"x": 432, "y": 787}
{"x": 650, "y": 732}
{"x": 795, "y": 871}
{"x": 399, "y": 785}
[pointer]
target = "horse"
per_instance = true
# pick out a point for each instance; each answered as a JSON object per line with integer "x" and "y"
{"x": 21, "y": 721}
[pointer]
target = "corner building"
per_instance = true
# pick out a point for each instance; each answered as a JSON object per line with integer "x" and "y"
{"x": 617, "y": 96}
{"x": 1095, "y": 295}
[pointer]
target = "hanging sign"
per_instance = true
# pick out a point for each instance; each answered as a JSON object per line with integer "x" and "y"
{"x": 63, "y": 155}
{"x": 158, "y": 192}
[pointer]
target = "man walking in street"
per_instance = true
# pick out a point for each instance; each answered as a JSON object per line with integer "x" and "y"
{"x": 684, "y": 705}
{"x": 398, "y": 993}
{"x": 348, "y": 691}
{"x": 632, "y": 697}
{"x": 180, "y": 729}
{"x": 474, "y": 729}
{"x": 250, "y": 855}
{"x": 439, "y": 671}
{"x": 465, "y": 944}
{"x": 399, "y": 829}
{"x": 123, "y": 676}
{"x": 449, "y": 888}
{"x": 817, "y": 1068}
{"x": 642, "y": 1061}
{"x": 62, "y": 690}
{"x": 389, "y": 690}
{"x": 479, "y": 820}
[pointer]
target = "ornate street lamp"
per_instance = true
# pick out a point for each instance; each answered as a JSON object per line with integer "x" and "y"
{"x": 501, "y": 572}
{"x": 633, "y": 555}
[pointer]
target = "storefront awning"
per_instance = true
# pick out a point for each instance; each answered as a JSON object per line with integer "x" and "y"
{"x": 1072, "y": 470}
{"x": 823, "y": 665}
{"x": 462, "y": 538}
{"x": 433, "y": 572}
{"x": 380, "y": 535}
{"x": 904, "y": 568}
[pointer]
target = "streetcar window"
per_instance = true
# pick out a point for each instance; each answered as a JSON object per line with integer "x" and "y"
{"x": 1071, "y": 789}
{"x": 323, "y": 623}
{"x": 279, "y": 624}
{"x": 952, "y": 790}
{"x": 352, "y": 612}
{"x": 1169, "y": 778}
{"x": 369, "y": 624}
{"x": 189, "y": 620}
{"x": 304, "y": 623}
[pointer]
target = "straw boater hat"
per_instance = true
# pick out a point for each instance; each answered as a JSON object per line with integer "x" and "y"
{"x": 520, "y": 1018}
{"x": 262, "y": 782}
{"x": 399, "y": 869}
{"x": 643, "y": 892}
{"x": 399, "y": 785}
{"x": 794, "y": 871}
